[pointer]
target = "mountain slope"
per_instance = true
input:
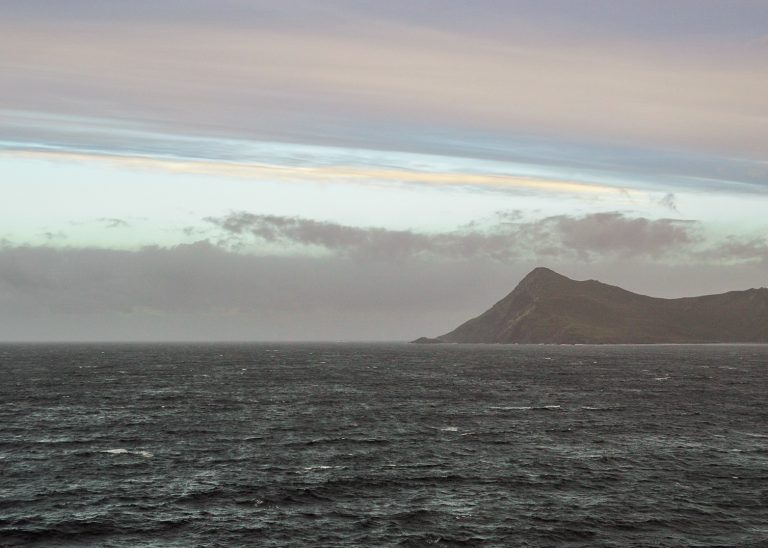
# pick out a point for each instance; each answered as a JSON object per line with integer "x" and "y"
{"x": 547, "y": 307}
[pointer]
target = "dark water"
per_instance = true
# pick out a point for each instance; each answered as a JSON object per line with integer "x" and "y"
{"x": 377, "y": 445}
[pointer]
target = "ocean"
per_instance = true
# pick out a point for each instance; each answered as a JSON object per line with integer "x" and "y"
{"x": 383, "y": 445}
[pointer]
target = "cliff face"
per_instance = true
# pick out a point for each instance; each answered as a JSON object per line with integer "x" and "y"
{"x": 547, "y": 307}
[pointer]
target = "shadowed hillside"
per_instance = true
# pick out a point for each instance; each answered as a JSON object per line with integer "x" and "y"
{"x": 547, "y": 307}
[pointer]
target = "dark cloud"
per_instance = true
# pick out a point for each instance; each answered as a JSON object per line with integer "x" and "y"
{"x": 557, "y": 237}
{"x": 376, "y": 242}
{"x": 669, "y": 201}
{"x": 613, "y": 233}
{"x": 51, "y": 236}
{"x": 738, "y": 249}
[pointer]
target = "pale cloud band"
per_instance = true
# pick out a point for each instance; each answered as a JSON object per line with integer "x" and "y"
{"x": 488, "y": 162}
{"x": 334, "y": 174}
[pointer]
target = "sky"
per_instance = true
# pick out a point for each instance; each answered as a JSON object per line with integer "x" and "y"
{"x": 276, "y": 170}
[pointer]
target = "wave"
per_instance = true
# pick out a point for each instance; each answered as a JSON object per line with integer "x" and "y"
{"x": 340, "y": 439}
{"x": 525, "y": 407}
{"x": 753, "y": 434}
{"x": 122, "y": 451}
{"x": 591, "y": 408}
{"x": 445, "y": 428}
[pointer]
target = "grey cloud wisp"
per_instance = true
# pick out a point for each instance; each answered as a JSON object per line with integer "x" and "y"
{"x": 558, "y": 237}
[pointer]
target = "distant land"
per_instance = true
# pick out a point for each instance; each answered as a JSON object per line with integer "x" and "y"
{"x": 547, "y": 307}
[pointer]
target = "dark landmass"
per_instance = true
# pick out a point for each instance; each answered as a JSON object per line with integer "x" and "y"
{"x": 427, "y": 340}
{"x": 547, "y": 307}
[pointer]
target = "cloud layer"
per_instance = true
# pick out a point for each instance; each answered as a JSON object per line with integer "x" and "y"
{"x": 332, "y": 281}
{"x": 286, "y": 76}
{"x": 205, "y": 292}
{"x": 562, "y": 237}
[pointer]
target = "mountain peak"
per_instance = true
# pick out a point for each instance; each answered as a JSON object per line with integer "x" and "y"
{"x": 542, "y": 277}
{"x": 542, "y": 271}
{"x": 547, "y": 307}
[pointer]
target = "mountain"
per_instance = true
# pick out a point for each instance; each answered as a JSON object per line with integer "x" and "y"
{"x": 547, "y": 307}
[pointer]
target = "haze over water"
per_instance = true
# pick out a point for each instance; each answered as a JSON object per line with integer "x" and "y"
{"x": 383, "y": 445}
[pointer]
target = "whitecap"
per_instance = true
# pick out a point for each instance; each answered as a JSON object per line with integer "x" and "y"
{"x": 121, "y": 451}
{"x": 523, "y": 407}
{"x": 511, "y": 408}
{"x": 590, "y": 408}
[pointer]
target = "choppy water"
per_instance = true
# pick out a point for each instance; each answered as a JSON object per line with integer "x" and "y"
{"x": 376, "y": 445}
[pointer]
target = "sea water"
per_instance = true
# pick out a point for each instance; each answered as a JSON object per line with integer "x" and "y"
{"x": 383, "y": 445}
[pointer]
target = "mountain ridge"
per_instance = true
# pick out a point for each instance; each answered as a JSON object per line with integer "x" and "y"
{"x": 547, "y": 307}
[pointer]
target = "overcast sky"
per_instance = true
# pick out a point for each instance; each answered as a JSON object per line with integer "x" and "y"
{"x": 359, "y": 169}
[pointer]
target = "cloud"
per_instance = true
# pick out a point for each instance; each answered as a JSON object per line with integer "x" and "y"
{"x": 202, "y": 291}
{"x": 614, "y": 233}
{"x": 669, "y": 201}
{"x": 327, "y": 174}
{"x": 112, "y": 222}
{"x": 738, "y": 249}
{"x": 558, "y": 237}
{"x": 377, "y": 242}
{"x": 516, "y": 163}
{"x": 51, "y": 236}
{"x": 324, "y": 82}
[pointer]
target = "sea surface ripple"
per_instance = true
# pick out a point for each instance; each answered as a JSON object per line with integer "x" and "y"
{"x": 383, "y": 445}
